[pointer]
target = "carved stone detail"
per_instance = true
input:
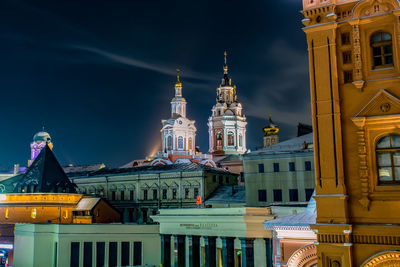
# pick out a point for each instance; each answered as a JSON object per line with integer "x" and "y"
{"x": 357, "y": 53}
{"x": 363, "y": 168}
{"x": 305, "y": 256}
{"x": 384, "y": 259}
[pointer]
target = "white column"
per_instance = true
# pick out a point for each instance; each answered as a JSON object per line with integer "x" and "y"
{"x": 260, "y": 258}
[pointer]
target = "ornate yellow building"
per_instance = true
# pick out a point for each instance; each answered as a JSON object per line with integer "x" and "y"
{"x": 355, "y": 89}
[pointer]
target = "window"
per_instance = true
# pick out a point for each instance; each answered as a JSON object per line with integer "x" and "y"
{"x": 113, "y": 195}
{"x": 345, "y": 38}
{"x": 100, "y": 249}
{"x": 388, "y": 159}
{"x": 87, "y": 254}
{"x": 155, "y": 194}
{"x": 276, "y": 167}
{"x": 346, "y": 57}
{"x": 214, "y": 178}
{"x": 131, "y": 194}
{"x": 74, "y": 259}
{"x": 125, "y": 253}
{"x": 180, "y": 142}
{"x": 164, "y": 194}
{"x": 261, "y": 168}
{"x": 187, "y": 193}
{"x": 347, "y": 76}
{"x": 262, "y": 195}
{"x": 307, "y": 165}
{"x": 220, "y": 180}
{"x": 382, "y": 51}
{"x": 195, "y": 192}
{"x": 291, "y": 167}
{"x": 230, "y": 139}
{"x": 137, "y": 253}
{"x": 293, "y": 195}
{"x": 309, "y": 192}
{"x": 122, "y": 195}
{"x": 226, "y": 179}
{"x": 145, "y": 194}
{"x": 173, "y": 193}
{"x": 169, "y": 142}
{"x": 112, "y": 254}
{"x": 277, "y": 195}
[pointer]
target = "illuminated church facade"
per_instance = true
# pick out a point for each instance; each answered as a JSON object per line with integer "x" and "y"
{"x": 227, "y": 123}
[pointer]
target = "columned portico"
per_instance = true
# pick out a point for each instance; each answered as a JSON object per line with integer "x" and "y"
{"x": 211, "y": 252}
{"x": 228, "y": 251}
{"x": 247, "y": 245}
{"x": 166, "y": 250}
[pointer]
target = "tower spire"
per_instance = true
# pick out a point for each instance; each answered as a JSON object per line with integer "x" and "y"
{"x": 226, "y": 65}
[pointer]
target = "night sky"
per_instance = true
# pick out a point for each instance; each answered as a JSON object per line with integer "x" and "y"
{"x": 99, "y": 75}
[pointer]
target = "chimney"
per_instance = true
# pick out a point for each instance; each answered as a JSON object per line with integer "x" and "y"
{"x": 16, "y": 169}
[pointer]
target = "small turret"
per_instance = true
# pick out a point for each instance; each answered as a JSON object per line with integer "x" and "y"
{"x": 271, "y": 130}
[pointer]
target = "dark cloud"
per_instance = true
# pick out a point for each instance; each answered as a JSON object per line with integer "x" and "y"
{"x": 100, "y": 75}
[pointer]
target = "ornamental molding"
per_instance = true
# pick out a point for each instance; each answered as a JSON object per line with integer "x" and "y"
{"x": 374, "y": 7}
{"x": 304, "y": 257}
{"x": 383, "y": 259}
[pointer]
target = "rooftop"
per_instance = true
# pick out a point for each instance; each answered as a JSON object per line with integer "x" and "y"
{"x": 227, "y": 195}
{"x": 301, "y": 143}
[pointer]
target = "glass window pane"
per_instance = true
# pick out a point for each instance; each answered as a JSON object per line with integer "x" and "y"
{"x": 377, "y": 61}
{"x": 377, "y": 51}
{"x": 385, "y": 174}
{"x": 388, "y": 60}
{"x": 384, "y": 159}
{"x": 396, "y": 159}
{"x": 397, "y": 173}
{"x": 383, "y": 142}
{"x": 388, "y": 49}
{"x": 386, "y": 36}
{"x": 395, "y": 141}
{"x": 376, "y": 38}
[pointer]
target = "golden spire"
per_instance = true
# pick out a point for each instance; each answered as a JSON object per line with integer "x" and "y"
{"x": 225, "y": 54}
{"x": 225, "y": 66}
{"x": 272, "y": 128}
{"x": 178, "y": 82}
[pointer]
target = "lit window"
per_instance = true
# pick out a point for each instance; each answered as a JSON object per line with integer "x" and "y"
{"x": 230, "y": 139}
{"x": 180, "y": 142}
{"x": 382, "y": 51}
{"x": 388, "y": 159}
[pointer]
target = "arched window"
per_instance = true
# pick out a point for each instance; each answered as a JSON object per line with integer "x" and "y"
{"x": 169, "y": 142}
{"x": 230, "y": 139}
{"x": 382, "y": 50}
{"x": 388, "y": 159}
{"x": 180, "y": 142}
{"x": 190, "y": 141}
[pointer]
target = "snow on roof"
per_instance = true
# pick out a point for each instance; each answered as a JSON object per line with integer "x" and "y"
{"x": 86, "y": 203}
{"x": 291, "y": 145}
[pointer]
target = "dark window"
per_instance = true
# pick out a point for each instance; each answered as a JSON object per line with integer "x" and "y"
{"x": 113, "y": 195}
{"x": 277, "y": 195}
{"x": 220, "y": 180}
{"x": 122, "y": 195}
{"x": 382, "y": 50}
{"x": 173, "y": 193}
{"x": 348, "y": 76}
{"x": 226, "y": 179}
{"x": 74, "y": 254}
{"x": 100, "y": 252}
{"x": 388, "y": 159}
{"x": 293, "y": 195}
{"x": 214, "y": 178}
{"x": 155, "y": 196}
{"x": 195, "y": 192}
{"x": 307, "y": 165}
{"x": 164, "y": 193}
{"x": 112, "y": 254}
{"x": 187, "y": 191}
{"x": 291, "y": 167}
{"x": 345, "y": 38}
{"x": 137, "y": 253}
{"x": 261, "y": 168}
{"x": 125, "y": 253}
{"x": 145, "y": 194}
{"x": 309, "y": 192}
{"x": 262, "y": 195}
{"x": 276, "y": 167}
{"x": 241, "y": 177}
{"x": 55, "y": 253}
{"x": 87, "y": 254}
{"x": 131, "y": 195}
{"x": 346, "y": 57}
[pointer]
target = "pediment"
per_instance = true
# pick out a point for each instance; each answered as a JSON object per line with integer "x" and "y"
{"x": 382, "y": 104}
{"x": 374, "y": 7}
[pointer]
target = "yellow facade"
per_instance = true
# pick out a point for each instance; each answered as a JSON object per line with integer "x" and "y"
{"x": 355, "y": 89}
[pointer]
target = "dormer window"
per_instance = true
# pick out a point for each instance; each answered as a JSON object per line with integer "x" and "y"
{"x": 382, "y": 50}
{"x": 388, "y": 159}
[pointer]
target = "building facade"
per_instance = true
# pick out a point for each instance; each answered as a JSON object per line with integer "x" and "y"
{"x": 227, "y": 124}
{"x": 354, "y": 68}
{"x": 108, "y": 245}
{"x": 141, "y": 191}
{"x": 281, "y": 174}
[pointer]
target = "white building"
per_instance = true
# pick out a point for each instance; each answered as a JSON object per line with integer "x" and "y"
{"x": 227, "y": 124}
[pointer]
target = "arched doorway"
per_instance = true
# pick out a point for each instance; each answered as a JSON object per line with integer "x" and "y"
{"x": 304, "y": 257}
{"x": 385, "y": 258}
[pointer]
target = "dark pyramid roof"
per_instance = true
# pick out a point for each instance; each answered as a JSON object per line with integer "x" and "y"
{"x": 46, "y": 175}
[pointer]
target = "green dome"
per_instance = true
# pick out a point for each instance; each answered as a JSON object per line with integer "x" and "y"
{"x": 41, "y": 137}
